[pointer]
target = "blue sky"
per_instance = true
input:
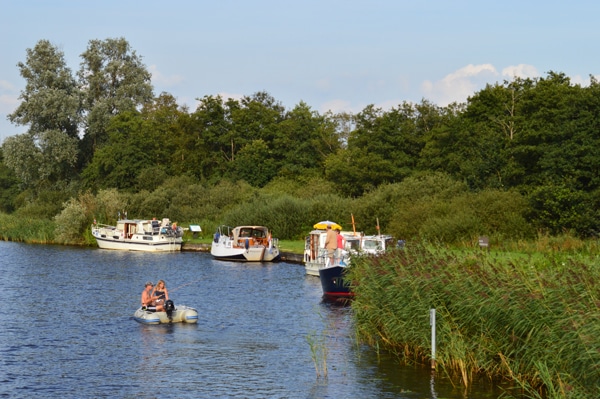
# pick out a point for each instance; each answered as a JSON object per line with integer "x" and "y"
{"x": 338, "y": 55}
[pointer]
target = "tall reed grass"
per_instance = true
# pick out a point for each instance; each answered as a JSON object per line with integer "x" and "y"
{"x": 26, "y": 229}
{"x": 534, "y": 320}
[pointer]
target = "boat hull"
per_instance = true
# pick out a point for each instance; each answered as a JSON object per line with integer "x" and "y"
{"x": 159, "y": 244}
{"x": 333, "y": 282}
{"x": 181, "y": 314}
{"x": 245, "y": 255}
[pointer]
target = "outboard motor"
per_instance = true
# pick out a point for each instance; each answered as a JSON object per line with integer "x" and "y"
{"x": 169, "y": 308}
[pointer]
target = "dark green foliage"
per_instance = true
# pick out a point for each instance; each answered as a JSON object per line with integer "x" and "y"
{"x": 9, "y": 187}
{"x": 40, "y": 205}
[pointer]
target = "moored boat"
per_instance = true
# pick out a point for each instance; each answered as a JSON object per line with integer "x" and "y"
{"x": 178, "y": 314}
{"x": 245, "y": 244}
{"x": 139, "y": 235}
{"x": 315, "y": 254}
{"x": 333, "y": 282}
{"x": 333, "y": 276}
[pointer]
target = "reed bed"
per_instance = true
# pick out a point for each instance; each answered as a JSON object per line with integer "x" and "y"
{"x": 530, "y": 319}
{"x": 25, "y": 229}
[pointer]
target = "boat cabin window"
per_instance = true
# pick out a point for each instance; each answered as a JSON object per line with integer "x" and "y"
{"x": 245, "y": 232}
{"x": 352, "y": 244}
{"x": 372, "y": 244}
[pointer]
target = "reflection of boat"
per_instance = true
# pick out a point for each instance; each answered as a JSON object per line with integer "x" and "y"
{"x": 245, "y": 244}
{"x": 177, "y": 314}
{"x": 139, "y": 235}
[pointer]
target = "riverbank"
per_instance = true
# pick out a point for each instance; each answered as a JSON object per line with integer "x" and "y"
{"x": 201, "y": 247}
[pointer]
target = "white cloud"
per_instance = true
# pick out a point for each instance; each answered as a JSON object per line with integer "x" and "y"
{"x": 459, "y": 85}
{"x": 233, "y": 96}
{"x": 162, "y": 80}
{"x": 336, "y": 106}
{"x": 464, "y": 82}
{"x": 520, "y": 71}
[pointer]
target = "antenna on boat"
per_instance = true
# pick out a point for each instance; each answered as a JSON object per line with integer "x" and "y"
{"x": 378, "y": 231}
{"x": 353, "y": 225}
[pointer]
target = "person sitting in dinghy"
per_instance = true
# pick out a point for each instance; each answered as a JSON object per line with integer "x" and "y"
{"x": 161, "y": 294}
{"x": 149, "y": 300}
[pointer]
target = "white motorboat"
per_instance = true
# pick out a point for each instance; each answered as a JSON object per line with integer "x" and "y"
{"x": 245, "y": 244}
{"x": 315, "y": 254}
{"x": 139, "y": 235}
{"x": 173, "y": 314}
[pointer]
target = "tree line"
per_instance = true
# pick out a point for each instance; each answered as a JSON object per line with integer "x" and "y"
{"x": 531, "y": 142}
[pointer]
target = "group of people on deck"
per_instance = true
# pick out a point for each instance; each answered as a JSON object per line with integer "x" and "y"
{"x": 334, "y": 242}
{"x": 154, "y": 298}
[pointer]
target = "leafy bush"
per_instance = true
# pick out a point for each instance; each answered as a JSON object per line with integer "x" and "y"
{"x": 71, "y": 223}
{"x": 109, "y": 204}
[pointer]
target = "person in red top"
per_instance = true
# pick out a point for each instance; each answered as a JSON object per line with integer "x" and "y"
{"x": 341, "y": 243}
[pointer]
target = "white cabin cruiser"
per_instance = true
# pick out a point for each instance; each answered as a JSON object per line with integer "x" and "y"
{"x": 245, "y": 244}
{"x": 139, "y": 235}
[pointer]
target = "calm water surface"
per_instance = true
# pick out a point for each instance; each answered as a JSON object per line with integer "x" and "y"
{"x": 67, "y": 331}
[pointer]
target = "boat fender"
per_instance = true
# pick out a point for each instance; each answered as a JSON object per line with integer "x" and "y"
{"x": 169, "y": 308}
{"x": 217, "y": 236}
{"x": 247, "y": 243}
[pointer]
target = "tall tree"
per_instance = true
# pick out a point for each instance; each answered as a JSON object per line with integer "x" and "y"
{"x": 384, "y": 148}
{"x": 301, "y": 145}
{"x": 9, "y": 186}
{"x": 210, "y": 140}
{"x": 255, "y": 124}
{"x": 51, "y": 98}
{"x": 46, "y": 155}
{"x": 114, "y": 80}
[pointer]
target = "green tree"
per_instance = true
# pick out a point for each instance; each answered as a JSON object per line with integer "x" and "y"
{"x": 114, "y": 80}
{"x": 45, "y": 156}
{"x": 209, "y": 139}
{"x": 51, "y": 98}
{"x": 255, "y": 123}
{"x": 301, "y": 145}
{"x": 384, "y": 148}
{"x": 9, "y": 187}
{"x": 127, "y": 152}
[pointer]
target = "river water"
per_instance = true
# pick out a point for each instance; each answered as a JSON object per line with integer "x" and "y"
{"x": 67, "y": 331}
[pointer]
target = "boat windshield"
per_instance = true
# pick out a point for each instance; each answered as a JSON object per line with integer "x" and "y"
{"x": 372, "y": 245}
